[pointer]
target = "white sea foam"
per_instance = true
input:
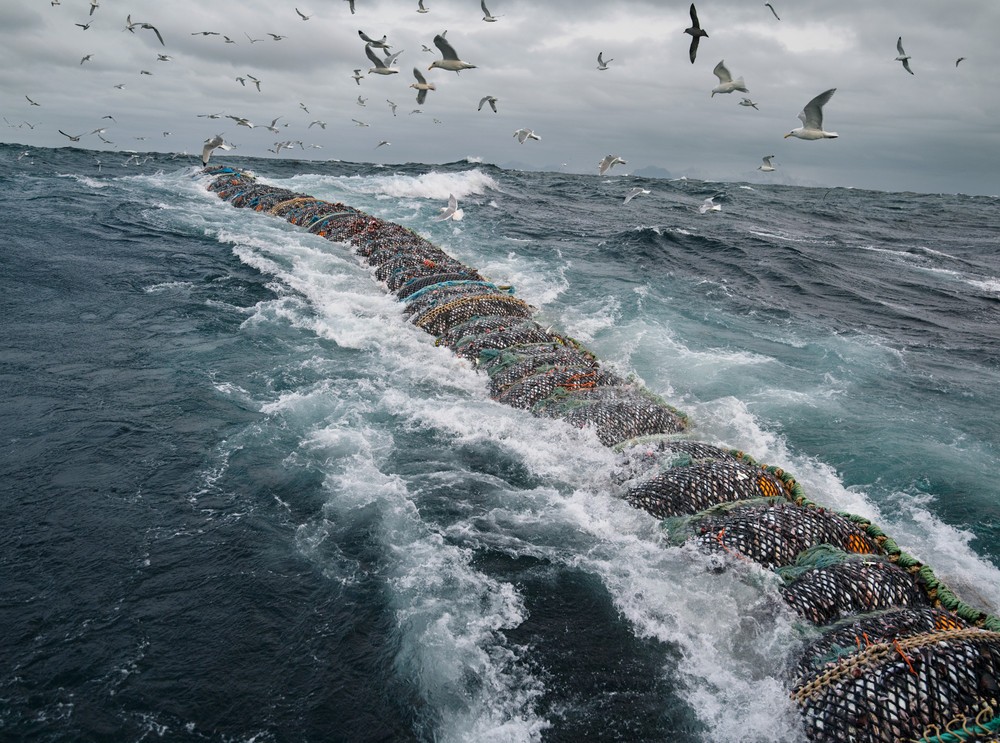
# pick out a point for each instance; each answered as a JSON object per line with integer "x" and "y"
{"x": 434, "y": 185}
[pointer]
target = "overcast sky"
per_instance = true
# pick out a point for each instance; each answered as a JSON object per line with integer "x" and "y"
{"x": 934, "y": 131}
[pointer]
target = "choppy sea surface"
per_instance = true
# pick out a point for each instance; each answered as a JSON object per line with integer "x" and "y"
{"x": 244, "y": 500}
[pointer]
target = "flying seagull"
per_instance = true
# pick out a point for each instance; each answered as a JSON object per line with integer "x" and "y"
{"x": 601, "y": 64}
{"x": 93, "y": 6}
{"x": 748, "y": 102}
{"x": 131, "y": 25}
{"x": 709, "y": 205}
{"x": 766, "y": 166}
{"x": 903, "y": 56}
{"x": 271, "y": 127}
{"x": 421, "y": 8}
{"x": 772, "y": 10}
{"x": 958, "y": 60}
{"x": 449, "y": 60}
{"x": 451, "y": 211}
{"x": 359, "y": 123}
{"x": 696, "y": 32}
{"x": 525, "y": 134}
{"x": 276, "y": 37}
{"x": 210, "y": 145}
{"x": 726, "y": 82}
{"x": 392, "y": 105}
{"x": 86, "y": 58}
{"x": 486, "y": 14}
{"x": 488, "y": 99}
{"x": 322, "y": 124}
{"x": 71, "y": 137}
{"x": 32, "y": 102}
{"x": 377, "y": 43}
{"x": 206, "y": 33}
{"x": 812, "y": 119}
{"x": 421, "y": 85}
{"x": 84, "y": 26}
{"x": 609, "y": 162}
{"x": 302, "y": 15}
{"x": 351, "y": 5}
{"x": 637, "y": 191}
{"x": 362, "y": 101}
{"x": 384, "y": 141}
{"x": 380, "y": 68}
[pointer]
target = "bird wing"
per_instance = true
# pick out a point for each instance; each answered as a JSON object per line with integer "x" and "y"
{"x": 420, "y": 78}
{"x": 372, "y": 56}
{"x": 482, "y": 4}
{"x": 899, "y": 46}
{"x": 767, "y": 160}
{"x": 390, "y": 58}
{"x": 906, "y": 66}
{"x": 481, "y": 102}
{"x": 812, "y": 114}
{"x": 365, "y": 37}
{"x": 493, "y": 104}
{"x": 600, "y": 58}
{"x": 446, "y": 49}
{"x": 693, "y": 51}
{"x": 694, "y": 17}
{"x": 722, "y": 72}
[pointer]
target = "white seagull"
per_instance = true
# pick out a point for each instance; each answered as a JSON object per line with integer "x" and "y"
{"x": 526, "y": 134}
{"x": 488, "y": 99}
{"x": 486, "y": 14}
{"x": 450, "y": 60}
{"x": 766, "y": 167}
{"x": 748, "y": 102}
{"x": 392, "y": 105}
{"x": 210, "y": 145}
{"x": 772, "y": 10}
{"x": 637, "y": 191}
{"x": 302, "y": 15}
{"x": 357, "y": 76}
{"x": 451, "y": 211}
{"x": 601, "y": 63}
{"x": 421, "y": 8}
{"x": 378, "y": 44}
{"x": 609, "y": 162}
{"x": 903, "y": 56}
{"x": 380, "y": 68}
{"x": 422, "y": 86}
{"x": 812, "y": 119}
{"x": 709, "y": 205}
{"x": 726, "y": 82}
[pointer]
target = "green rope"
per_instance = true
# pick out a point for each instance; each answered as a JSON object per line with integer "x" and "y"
{"x": 968, "y": 731}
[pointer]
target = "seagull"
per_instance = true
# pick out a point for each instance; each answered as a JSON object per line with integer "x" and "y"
{"x": 709, "y": 205}
{"x": 276, "y": 37}
{"x": 772, "y": 10}
{"x": 451, "y": 211}
{"x": 392, "y": 106}
{"x": 120, "y": 86}
{"x": 145, "y": 72}
{"x": 812, "y": 119}
{"x": 362, "y": 101}
{"x": 205, "y": 33}
{"x": 384, "y": 141}
{"x": 425, "y": 48}
{"x": 359, "y": 123}
{"x": 609, "y": 162}
{"x": 24, "y": 154}
{"x": 228, "y": 40}
{"x": 271, "y": 127}
{"x": 380, "y": 68}
{"x": 86, "y": 59}
{"x": 71, "y": 137}
{"x": 488, "y": 99}
{"x": 903, "y": 56}
{"x": 696, "y": 32}
{"x": 357, "y": 76}
{"x": 303, "y": 107}
{"x": 524, "y": 134}
{"x": 131, "y": 26}
{"x": 766, "y": 167}
{"x": 637, "y": 191}
{"x": 486, "y": 14}
{"x": 84, "y": 26}
{"x": 748, "y": 102}
{"x": 210, "y": 145}
{"x": 422, "y": 86}
{"x": 163, "y": 58}
{"x": 242, "y": 81}
{"x": 255, "y": 81}
{"x": 32, "y": 102}
{"x": 302, "y": 15}
{"x": 210, "y": 116}
{"x": 240, "y": 121}
{"x": 450, "y": 60}
{"x": 726, "y": 82}
{"x": 379, "y": 44}
{"x": 322, "y": 124}
{"x": 421, "y": 8}
{"x": 958, "y": 60}
{"x": 93, "y": 6}
{"x": 250, "y": 38}
{"x": 351, "y": 2}
{"x": 601, "y": 64}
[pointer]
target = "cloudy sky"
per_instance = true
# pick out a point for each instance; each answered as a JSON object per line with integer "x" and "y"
{"x": 934, "y": 131}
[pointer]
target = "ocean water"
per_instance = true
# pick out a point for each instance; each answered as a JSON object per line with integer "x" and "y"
{"x": 244, "y": 500}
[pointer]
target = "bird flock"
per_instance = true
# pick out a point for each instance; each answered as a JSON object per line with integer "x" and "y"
{"x": 384, "y": 61}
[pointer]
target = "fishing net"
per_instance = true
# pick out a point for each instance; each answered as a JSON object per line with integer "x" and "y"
{"x": 615, "y": 413}
{"x": 826, "y": 584}
{"x": 893, "y": 664}
{"x": 686, "y": 489}
{"x": 774, "y": 532}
